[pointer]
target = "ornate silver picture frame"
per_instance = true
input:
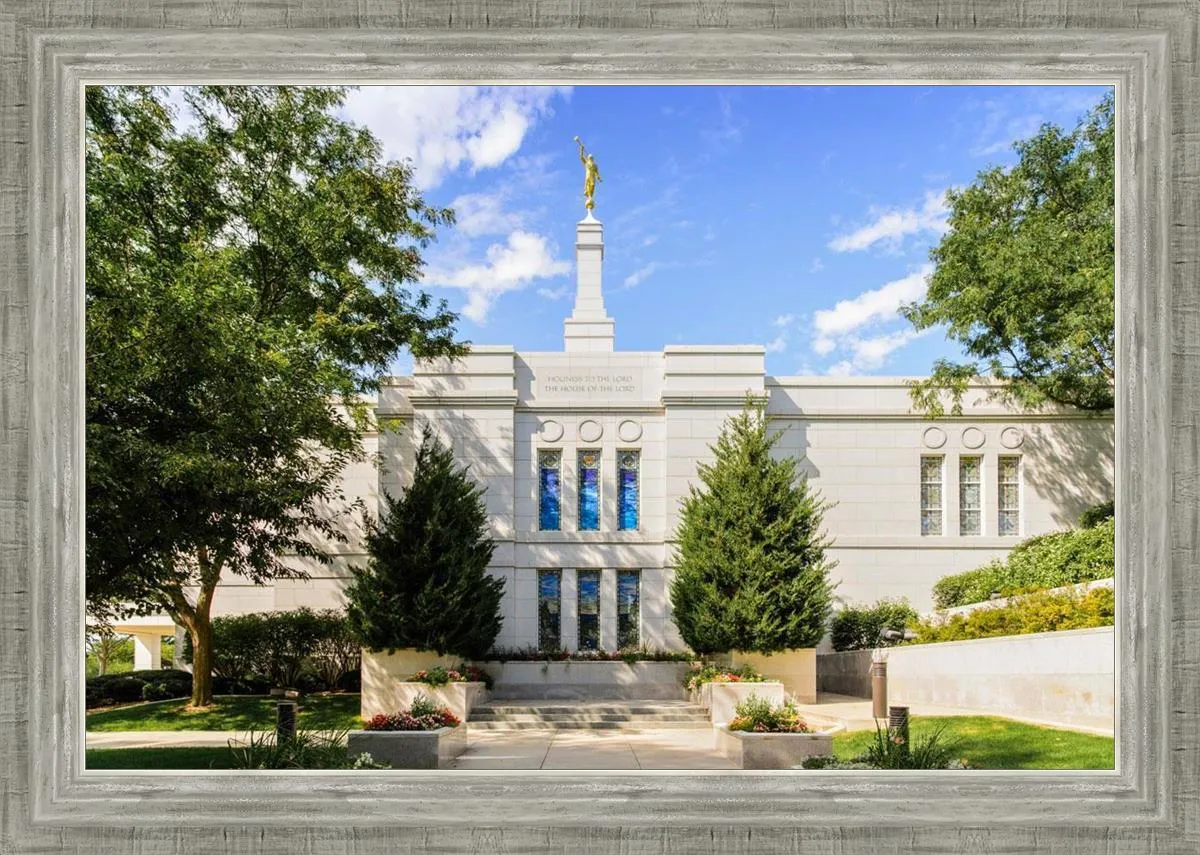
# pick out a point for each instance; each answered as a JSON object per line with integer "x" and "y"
{"x": 48, "y": 53}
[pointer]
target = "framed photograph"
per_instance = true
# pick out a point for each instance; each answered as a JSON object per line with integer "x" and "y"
{"x": 623, "y": 427}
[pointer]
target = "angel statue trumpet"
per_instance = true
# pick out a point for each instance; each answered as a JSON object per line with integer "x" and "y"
{"x": 591, "y": 174}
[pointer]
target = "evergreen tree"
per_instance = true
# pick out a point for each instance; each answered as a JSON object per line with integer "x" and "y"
{"x": 751, "y": 572}
{"x": 426, "y": 584}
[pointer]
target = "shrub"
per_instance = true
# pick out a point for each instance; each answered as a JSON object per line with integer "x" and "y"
{"x": 422, "y": 714}
{"x": 1037, "y": 612}
{"x": 437, "y": 676}
{"x": 1045, "y": 561}
{"x": 757, "y": 715}
{"x": 858, "y": 628}
{"x": 716, "y": 674}
{"x": 305, "y": 750}
{"x": 751, "y": 568}
{"x": 1097, "y": 514}
{"x": 336, "y": 651}
{"x": 828, "y": 762}
{"x": 281, "y": 646}
{"x": 130, "y": 687}
{"x": 890, "y": 751}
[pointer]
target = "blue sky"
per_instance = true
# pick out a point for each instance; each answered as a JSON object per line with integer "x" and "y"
{"x": 797, "y": 217}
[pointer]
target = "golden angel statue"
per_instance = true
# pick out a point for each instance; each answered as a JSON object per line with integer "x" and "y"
{"x": 591, "y": 174}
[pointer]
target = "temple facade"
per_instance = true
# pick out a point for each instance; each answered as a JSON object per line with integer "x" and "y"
{"x": 585, "y": 454}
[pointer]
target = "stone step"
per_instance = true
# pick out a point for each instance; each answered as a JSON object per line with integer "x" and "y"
{"x": 638, "y": 724}
{"x": 476, "y": 715}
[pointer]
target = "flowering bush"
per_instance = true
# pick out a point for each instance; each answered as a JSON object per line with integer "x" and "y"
{"x": 756, "y": 715}
{"x": 625, "y": 654}
{"x": 713, "y": 674}
{"x": 439, "y": 676}
{"x": 423, "y": 714}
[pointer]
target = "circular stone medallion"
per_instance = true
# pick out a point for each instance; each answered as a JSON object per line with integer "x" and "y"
{"x": 550, "y": 431}
{"x": 933, "y": 437}
{"x": 590, "y": 430}
{"x": 629, "y": 431}
{"x": 973, "y": 437}
{"x": 1012, "y": 437}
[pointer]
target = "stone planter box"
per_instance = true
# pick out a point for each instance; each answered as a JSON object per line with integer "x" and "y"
{"x": 659, "y": 681}
{"x": 383, "y": 673}
{"x": 409, "y": 749}
{"x": 459, "y": 698}
{"x": 721, "y": 699}
{"x": 772, "y": 750}
{"x": 796, "y": 669}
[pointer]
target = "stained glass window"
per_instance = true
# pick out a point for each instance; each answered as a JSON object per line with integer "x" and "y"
{"x": 549, "y": 610}
{"x": 970, "y": 496}
{"x": 629, "y": 602}
{"x": 589, "y": 609}
{"x": 931, "y": 495}
{"x": 549, "y": 489}
{"x": 589, "y": 491}
{"x": 627, "y": 490}
{"x": 1008, "y": 471}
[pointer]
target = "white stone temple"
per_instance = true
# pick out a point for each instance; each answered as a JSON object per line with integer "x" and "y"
{"x": 586, "y": 452}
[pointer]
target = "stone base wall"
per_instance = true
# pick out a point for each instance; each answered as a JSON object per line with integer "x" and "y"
{"x": 459, "y": 698}
{"x": 587, "y": 680}
{"x": 772, "y": 750}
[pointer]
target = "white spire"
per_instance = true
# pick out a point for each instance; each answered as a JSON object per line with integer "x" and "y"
{"x": 589, "y": 328}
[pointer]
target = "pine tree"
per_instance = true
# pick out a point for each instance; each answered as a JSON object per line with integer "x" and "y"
{"x": 426, "y": 584}
{"x": 751, "y": 572}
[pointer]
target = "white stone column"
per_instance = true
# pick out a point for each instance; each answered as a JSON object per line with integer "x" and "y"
{"x": 608, "y": 609}
{"x": 147, "y": 651}
{"x": 569, "y": 620}
{"x": 177, "y": 661}
{"x": 589, "y": 329}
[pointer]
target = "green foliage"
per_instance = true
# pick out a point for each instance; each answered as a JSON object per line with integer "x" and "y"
{"x": 1097, "y": 514}
{"x": 1037, "y": 612}
{"x": 751, "y": 572}
{"x": 426, "y": 585}
{"x": 247, "y": 282}
{"x": 283, "y": 647}
{"x": 859, "y": 628}
{"x": 758, "y": 715}
{"x": 305, "y": 750}
{"x": 109, "y": 653}
{"x": 131, "y": 687}
{"x": 1044, "y": 561}
{"x": 709, "y": 673}
{"x": 891, "y": 750}
{"x": 533, "y": 653}
{"x": 1023, "y": 280}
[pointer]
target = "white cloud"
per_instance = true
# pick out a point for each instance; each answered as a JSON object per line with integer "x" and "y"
{"x": 778, "y": 345}
{"x": 649, "y": 240}
{"x": 841, "y": 369}
{"x": 817, "y": 266}
{"x": 869, "y": 307}
{"x": 640, "y": 275}
{"x": 553, "y": 293}
{"x": 483, "y": 214}
{"x": 783, "y": 320}
{"x": 509, "y": 267}
{"x": 443, "y": 128}
{"x": 891, "y": 226}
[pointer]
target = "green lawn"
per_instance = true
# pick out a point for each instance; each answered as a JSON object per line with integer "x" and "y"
{"x": 987, "y": 742}
{"x": 214, "y": 757}
{"x": 317, "y": 712}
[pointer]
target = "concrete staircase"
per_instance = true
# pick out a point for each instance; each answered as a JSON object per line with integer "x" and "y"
{"x": 588, "y": 715}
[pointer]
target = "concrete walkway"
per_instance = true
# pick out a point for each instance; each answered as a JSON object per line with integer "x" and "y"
{"x": 524, "y": 749}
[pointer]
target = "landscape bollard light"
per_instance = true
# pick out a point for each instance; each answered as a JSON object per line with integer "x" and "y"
{"x": 285, "y": 721}
{"x": 879, "y": 689}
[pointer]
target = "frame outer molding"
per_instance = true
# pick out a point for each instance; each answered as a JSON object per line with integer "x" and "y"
{"x": 1151, "y": 805}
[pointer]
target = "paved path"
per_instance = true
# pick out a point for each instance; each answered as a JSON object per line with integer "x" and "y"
{"x": 524, "y": 749}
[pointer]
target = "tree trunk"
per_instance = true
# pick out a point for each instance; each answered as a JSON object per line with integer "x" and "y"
{"x": 200, "y": 630}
